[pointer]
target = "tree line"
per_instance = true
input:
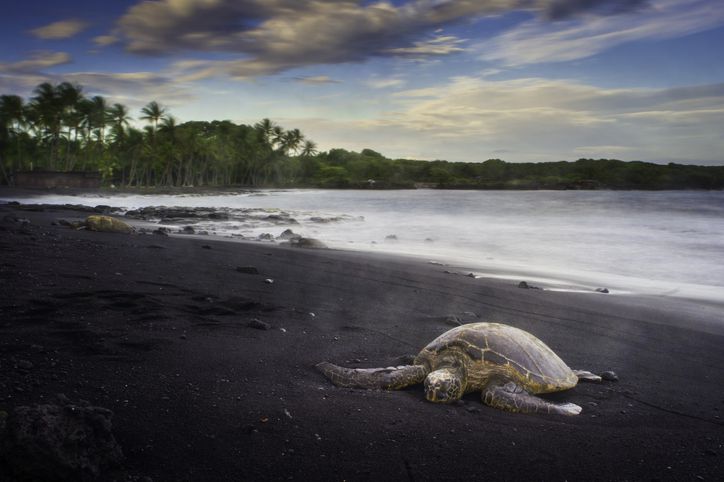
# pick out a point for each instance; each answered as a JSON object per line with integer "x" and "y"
{"x": 339, "y": 168}
{"x": 61, "y": 129}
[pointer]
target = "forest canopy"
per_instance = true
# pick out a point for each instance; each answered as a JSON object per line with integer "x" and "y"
{"x": 60, "y": 129}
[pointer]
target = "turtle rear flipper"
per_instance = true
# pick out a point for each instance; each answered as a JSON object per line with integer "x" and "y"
{"x": 513, "y": 398}
{"x": 389, "y": 378}
{"x": 586, "y": 376}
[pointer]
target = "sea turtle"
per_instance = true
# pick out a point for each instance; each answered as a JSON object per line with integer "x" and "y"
{"x": 97, "y": 222}
{"x": 508, "y": 365}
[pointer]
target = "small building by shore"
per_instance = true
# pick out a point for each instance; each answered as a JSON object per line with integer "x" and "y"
{"x": 55, "y": 179}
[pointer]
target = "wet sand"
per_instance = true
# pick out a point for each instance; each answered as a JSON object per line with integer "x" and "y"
{"x": 156, "y": 328}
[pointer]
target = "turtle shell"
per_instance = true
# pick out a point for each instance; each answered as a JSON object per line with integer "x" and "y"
{"x": 494, "y": 349}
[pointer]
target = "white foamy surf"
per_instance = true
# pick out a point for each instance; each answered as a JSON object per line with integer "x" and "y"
{"x": 661, "y": 243}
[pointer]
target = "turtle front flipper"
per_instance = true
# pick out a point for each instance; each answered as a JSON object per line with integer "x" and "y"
{"x": 513, "y": 398}
{"x": 389, "y": 378}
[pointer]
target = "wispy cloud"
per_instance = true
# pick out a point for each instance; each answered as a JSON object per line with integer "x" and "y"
{"x": 316, "y": 80}
{"x": 440, "y": 45}
{"x": 538, "y": 41}
{"x": 135, "y": 88}
{"x": 272, "y": 36}
{"x": 105, "y": 40}
{"x": 385, "y": 83}
{"x": 37, "y": 61}
{"x": 61, "y": 29}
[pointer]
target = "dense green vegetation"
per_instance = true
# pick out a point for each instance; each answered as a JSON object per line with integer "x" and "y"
{"x": 59, "y": 128}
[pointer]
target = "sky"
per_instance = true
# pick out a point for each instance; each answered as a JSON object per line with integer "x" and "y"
{"x": 460, "y": 80}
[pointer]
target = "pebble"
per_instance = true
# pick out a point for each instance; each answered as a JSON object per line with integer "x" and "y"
{"x": 452, "y": 320}
{"x": 609, "y": 376}
{"x": 269, "y": 281}
{"x": 258, "y": 324}
{"x": 25, "y": 364}
{"x": 602, "y": 290}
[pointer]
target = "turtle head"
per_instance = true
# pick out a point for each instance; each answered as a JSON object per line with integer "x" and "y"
{"x": 443, "y": 385}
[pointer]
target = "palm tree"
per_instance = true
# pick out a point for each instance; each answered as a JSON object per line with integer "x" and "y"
{"x": 47, "y": 110}
{"x": 70, "y": 96}
{"x": 94, "y": 114}
{"x": 168, "y": 129}
{"x": 277, "y": 137}
{"x": 100, "y": 116}
{"x": 119, "y": 118}
{"x": 153, "y": 113}
{"x": 291, "y": 141}
{"x": 133, "y": 148}
{"x": 309, "y": 149}
{"x": 12, "y": 118}
{"x": 266, "y": 128}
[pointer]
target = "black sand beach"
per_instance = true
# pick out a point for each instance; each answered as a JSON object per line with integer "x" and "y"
{"x": 156, "y": 329}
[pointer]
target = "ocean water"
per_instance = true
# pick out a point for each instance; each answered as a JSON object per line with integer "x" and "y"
{"x": 667, "y": 243}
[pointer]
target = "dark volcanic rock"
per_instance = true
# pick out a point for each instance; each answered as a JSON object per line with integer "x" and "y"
{"x": 602, "y": 290}
{"x": 321, "y": 220}
{"x": 171, "y": 215}
{"x": 188, "y": 230}
{"x": 289, "y": 234}
{"x": 307, "y": 243}
{"x": 524, "y": 285}
{"x": 59, "y": 442}
{"x": 282, "y": 218}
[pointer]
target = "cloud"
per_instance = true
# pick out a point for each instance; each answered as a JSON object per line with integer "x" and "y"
{"x": 105, "y": 40}
{"x": 472, "y": 119}
{"x": 316, "y": 80}
{"x": 441, "y": 45}
{"x": 38, "y": 61}
{"x": 134, "y": 88}
{"x": 538, "y": 41}
{"x": 272, "y": 36}
{"x": 385, "y": 83}
{"x": 60, "y": 30}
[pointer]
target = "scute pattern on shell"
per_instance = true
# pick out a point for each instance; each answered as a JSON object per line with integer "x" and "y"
{"x": 502, "y": 349}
